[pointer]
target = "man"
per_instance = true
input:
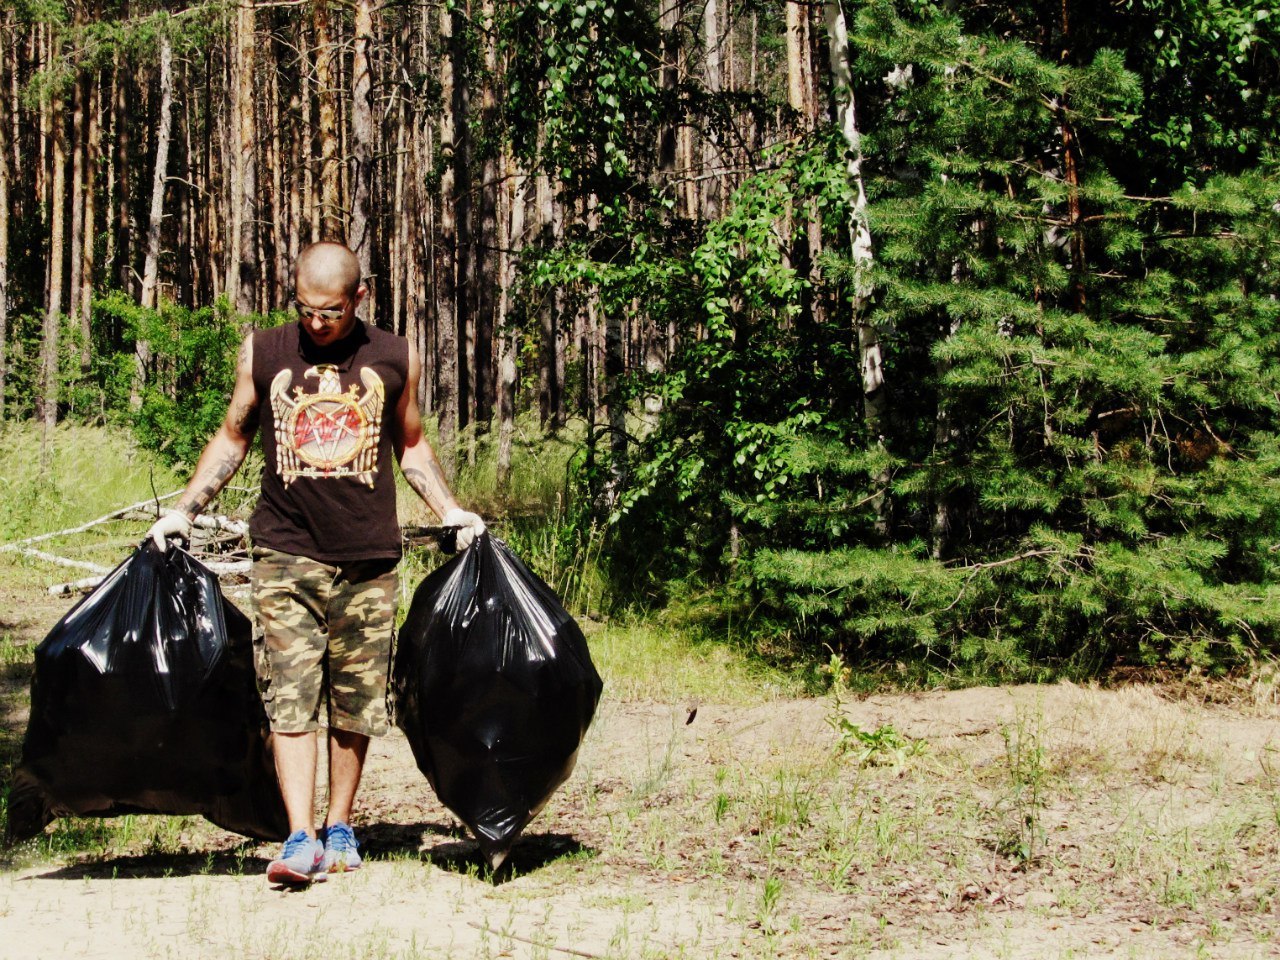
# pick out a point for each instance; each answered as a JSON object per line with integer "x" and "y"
{"x": 335, "y": 399}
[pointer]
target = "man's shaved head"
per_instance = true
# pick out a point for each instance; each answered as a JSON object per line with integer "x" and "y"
{"x": 328, "y": 267}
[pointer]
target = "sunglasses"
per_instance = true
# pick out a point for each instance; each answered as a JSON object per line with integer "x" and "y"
{"x": 306, "y": 312}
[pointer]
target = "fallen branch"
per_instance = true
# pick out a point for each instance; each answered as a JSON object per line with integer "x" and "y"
{"x": 75, "y": 586}
{"x": 114, "y": 514}
{"x": 203, "y": 521}
{"x": 60, "y": 561}
{"x": 485, "y": 928}
{"x": 222, "y": 569}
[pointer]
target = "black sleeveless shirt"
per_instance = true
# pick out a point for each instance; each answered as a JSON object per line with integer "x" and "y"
{"x": 328, "y": 485}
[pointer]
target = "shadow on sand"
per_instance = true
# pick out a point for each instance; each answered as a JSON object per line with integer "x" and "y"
{"x": 449, "y": 847}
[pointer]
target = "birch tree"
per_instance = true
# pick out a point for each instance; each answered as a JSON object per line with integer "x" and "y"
{"x": 871, "y": 360}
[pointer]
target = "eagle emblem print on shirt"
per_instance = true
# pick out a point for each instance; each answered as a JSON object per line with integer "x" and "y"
{"x": 330, "y": 432}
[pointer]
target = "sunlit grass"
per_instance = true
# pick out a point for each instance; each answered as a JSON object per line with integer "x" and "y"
{"x": 648, "y": 661}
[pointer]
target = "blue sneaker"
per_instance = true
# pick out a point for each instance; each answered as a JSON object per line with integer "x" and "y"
{"x": 299, "y": 862}
{"x": 340, "y": 849}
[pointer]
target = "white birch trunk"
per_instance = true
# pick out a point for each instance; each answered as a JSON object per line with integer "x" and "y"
{"x": 715, "y": 83}
{"x": 508, "y": 337}
{"x": 869, "y": 352}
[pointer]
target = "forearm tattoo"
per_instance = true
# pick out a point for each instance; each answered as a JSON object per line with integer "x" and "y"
{"x": 434, "y": 489}
{"x": 245, "y": 418}
{"x": 206, "y": 484}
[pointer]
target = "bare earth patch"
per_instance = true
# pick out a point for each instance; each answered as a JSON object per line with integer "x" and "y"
{"x": 1054, "y": 821}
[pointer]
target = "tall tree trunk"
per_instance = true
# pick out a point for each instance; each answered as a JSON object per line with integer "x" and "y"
{"x": 488, "y": 261}
{"x": 247, "y": 273}
{"x": 232, "y": 194}
{"x": 714, "y": 80}
{"x": 331, "y": 213}
{"x": 300, "y": 157}
{"x": 6, "y": 133}
{"x": 668, "y": 80}
{"x": 446, "y": 290}
{"x": 397, "y": 261}
{"x": 550, "y": 400}
{"x": 509, "y": 336}
{"x": 38, "y": 56}
{"x": 93, "y": 154}
{"x": 463, "y": 212}
{"x": 559, "y": 412}
{"x": 79, "y": 145}
{"x": 874, "y": 393}
{"x": 797, "y": 56}
{"x": 164, "y": 129}
{"x": 283, "y": 223}
{"x": 311, "y": 171}
{"x": 123, "y": 167}
{"x": 49, "y": 347}
{"x": 1071, "y": 174}
{"x": 188, "y": 260}
{"x": 361, "y": 238}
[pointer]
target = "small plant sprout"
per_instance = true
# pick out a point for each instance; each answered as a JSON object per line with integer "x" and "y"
{"x": 884, "y": 746}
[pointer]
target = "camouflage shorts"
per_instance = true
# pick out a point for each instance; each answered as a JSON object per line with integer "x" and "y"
{"x": 326, "y": 632}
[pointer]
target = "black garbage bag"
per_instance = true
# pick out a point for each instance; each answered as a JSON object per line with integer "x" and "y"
{"x": 144, "y": 700}
{"x": 494, "y": 689}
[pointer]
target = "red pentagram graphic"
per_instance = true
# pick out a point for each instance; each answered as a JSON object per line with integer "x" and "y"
{"x": 328, "y": 432}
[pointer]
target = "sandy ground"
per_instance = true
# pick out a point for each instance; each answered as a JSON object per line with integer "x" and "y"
{"x": 1153, "y": 816}
{"x": 588, "y": 881}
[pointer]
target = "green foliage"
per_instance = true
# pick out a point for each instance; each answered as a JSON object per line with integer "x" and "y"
{"x": 189, "y": 376}
{"x": 584, "y": 74}
{"x": 1079, "y": 458}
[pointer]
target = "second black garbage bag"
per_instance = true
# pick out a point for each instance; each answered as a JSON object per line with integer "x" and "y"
{"x": 494, "y": 689}
{"x": 144, "y": 701}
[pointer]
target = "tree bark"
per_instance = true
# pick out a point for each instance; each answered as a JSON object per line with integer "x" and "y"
{"x": 331, "y": 213}
{"x": 282, "y": 223}
{"x": 797, "y": 54}
{"x": 465, "y": 253}
{"x": 361, "y": 238}
{"x": 488, "y": 260}
{"x": 123, "y": 164}
{"x": 509, "y": 337}
{"x": 446, "y": 289}
{"x": 93, "y": 153}
{"x": 247, "y": 273}
{"x": 5, "y": 136}
{"x": 49, "y": 347}
{"x": 874, "y": 394}
{"x": 164, "y": 129}
{"x": 714, "y": 80}
{"x": 79, "y": 144}
{"x": 550, "y": 399}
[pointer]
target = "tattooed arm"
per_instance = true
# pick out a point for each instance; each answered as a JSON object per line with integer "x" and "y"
{"x": 227, "y": 449}
{"x": 417, "y": 460}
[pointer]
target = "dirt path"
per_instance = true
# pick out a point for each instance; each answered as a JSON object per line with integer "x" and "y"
{"x": 1056, "y": 821}
{"x": 631, "y": 861}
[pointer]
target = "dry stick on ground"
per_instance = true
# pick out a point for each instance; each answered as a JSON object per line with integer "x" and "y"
{"x": 88, "y": 583}
{"x": 18, "y": 544}
{"x": 204, "y": 521}
{"x": 61, "y": 561}
{"x": 485, "y": 928}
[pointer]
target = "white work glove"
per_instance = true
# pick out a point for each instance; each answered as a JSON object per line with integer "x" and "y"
{"x": 174, "y": 523}
{"x": 469, "y": 526}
